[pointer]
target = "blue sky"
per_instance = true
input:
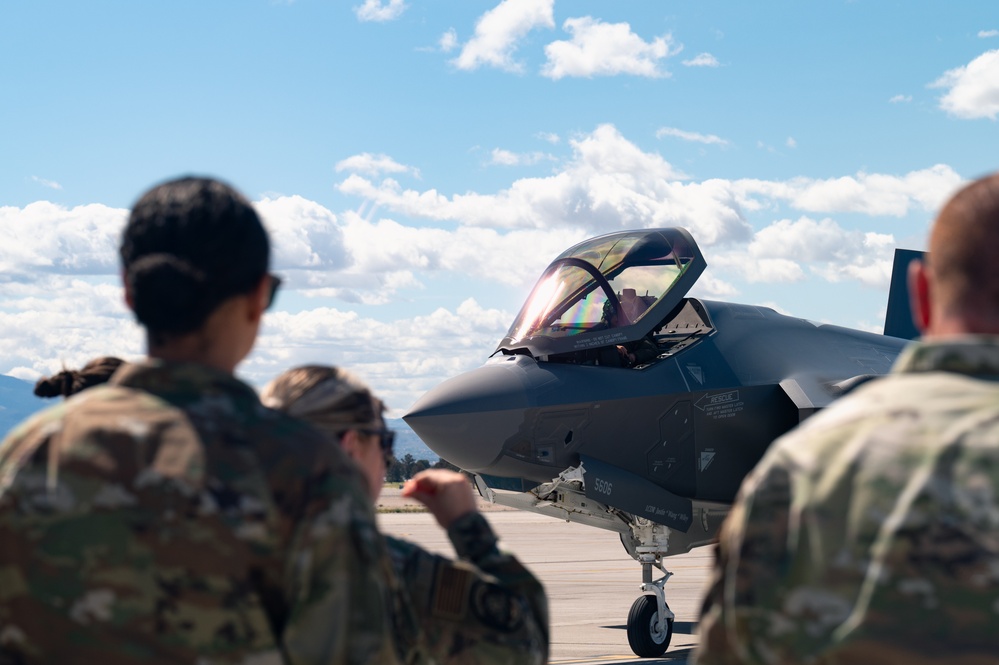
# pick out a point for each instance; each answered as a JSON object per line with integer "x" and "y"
{"x": 419, "y": 163}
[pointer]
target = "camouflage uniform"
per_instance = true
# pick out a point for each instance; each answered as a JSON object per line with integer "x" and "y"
{"x": 871, "y": 533}
{"x": 168, "y": 517}
{"x": 483, "y": 608}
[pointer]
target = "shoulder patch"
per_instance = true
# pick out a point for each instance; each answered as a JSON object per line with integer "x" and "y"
{"x": 451, "y": 593}
{"x": 496, "y": 607}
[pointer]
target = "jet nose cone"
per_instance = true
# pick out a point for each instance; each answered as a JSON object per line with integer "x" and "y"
{"x": 467, "y": 419}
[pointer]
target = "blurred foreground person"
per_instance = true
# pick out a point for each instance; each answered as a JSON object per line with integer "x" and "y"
{"x": 167, "y": 516}
{"x": 484, "y": 607}
{"x": 68, "y": 382}
{"x": 870, "y": 534}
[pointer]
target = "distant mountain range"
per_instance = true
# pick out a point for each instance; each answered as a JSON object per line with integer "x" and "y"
{"x": 17, "y": 402}
{"x": 406, "y": 441}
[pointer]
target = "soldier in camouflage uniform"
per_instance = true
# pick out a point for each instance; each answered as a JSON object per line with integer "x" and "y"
{"x": 168, "y": 517}
{"x": 484, "y": 607}
{"x": 870, "y": 534}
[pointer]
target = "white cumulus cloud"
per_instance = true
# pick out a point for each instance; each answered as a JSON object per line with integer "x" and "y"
{"x": 373, "y": 165}
{"x": 62, "y": 320}
{"x": 51, "y": 184}
{"x": 448, "y": 41}
{"x": 702, "y": 60}
{"x": 608, "y": 184}
{"x": 45, "y": 237}
{"x": 695, "y": 137}
{"x": 503, "y": 157}
{"x": 426, "y": 288}
{"x": 874, "y": 194}
{"x": 498, "y": 32}
{"x": 899, "y": 99}
{"x": 514, "y": 257}
{"x": 787, "y": 250}
{"x": 376, "y": 10}
{"x": 805, "y": 239}
{"x": 972, "y": 90}
{"x": 398, "y": 372}
{"x": 304, "y": 234}
{"x": 606, "y": 49}
{"x": 985, "y": 34}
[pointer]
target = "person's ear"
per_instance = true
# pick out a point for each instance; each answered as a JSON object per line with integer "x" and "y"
{"x": 351, "y": 443}
{"x": 920, "y": 296}
{"x": 258, "y": 299}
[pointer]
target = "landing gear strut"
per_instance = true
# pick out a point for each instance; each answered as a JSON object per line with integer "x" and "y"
{"x": 650, "y": 621}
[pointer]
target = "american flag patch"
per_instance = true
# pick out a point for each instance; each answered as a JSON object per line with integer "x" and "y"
{"x": 451, "y": 592}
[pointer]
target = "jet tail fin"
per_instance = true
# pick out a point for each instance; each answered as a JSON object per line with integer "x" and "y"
{"x": 898, "y": 320}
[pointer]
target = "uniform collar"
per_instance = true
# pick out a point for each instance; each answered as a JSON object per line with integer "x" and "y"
{"x": 976, "y": 355}
{"x": 163, "y": 378}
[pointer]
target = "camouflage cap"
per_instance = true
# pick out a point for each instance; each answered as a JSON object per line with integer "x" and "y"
{"x": 329, "y": 397}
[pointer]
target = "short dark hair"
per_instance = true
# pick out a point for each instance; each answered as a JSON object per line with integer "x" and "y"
{"x": 964, "y": 248}
{"x": 190, "y": 244}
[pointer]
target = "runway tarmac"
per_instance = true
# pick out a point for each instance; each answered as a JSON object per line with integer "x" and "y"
{"x": 590, "y": 580}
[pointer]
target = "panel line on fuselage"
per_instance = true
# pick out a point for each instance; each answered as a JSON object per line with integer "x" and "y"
{"x": 682, "y": 375}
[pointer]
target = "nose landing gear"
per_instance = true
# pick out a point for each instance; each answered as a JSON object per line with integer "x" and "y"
{"x": 650, "y": 621}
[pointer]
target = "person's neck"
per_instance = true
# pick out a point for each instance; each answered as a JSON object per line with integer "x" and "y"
{"x": 221, "y": 342}
{"x": 945, "y": 328}
{"x": 181, "y": 353}
{"x": 201, "y": 347}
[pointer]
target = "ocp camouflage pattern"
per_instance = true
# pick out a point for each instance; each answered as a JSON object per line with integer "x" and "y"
{"x": 483, "y": 608}
{"x": 871, "y": 533}
{"x": 168, "y": 517}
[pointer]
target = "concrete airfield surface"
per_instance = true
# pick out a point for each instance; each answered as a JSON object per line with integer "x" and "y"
{"x": 590, "y": 580}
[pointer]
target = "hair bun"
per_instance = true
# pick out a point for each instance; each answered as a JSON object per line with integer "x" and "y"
{"x": 57, "y": 385}
{"x": 69, "y": 382}
{"x": 167, "y": 293}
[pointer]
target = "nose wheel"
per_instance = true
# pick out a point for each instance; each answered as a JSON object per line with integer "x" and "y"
{"x": 647, "y": 635}
{"x": 650, "y": 620}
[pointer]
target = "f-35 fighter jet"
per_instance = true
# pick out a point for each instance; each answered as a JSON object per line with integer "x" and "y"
{"x": 617, "y": 401}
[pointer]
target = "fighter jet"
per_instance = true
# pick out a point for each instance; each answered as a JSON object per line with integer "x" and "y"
{"x": 617, "y": 401}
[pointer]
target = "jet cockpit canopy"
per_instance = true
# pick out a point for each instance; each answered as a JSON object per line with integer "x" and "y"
{"x": 604, "y": 291}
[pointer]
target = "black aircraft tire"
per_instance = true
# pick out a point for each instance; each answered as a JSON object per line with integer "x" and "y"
{"x": 642, "y": 636}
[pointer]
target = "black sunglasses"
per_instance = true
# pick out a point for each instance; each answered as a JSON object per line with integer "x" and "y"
{"x": 386, "y": 439}
{"x": 272, "y": 294}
